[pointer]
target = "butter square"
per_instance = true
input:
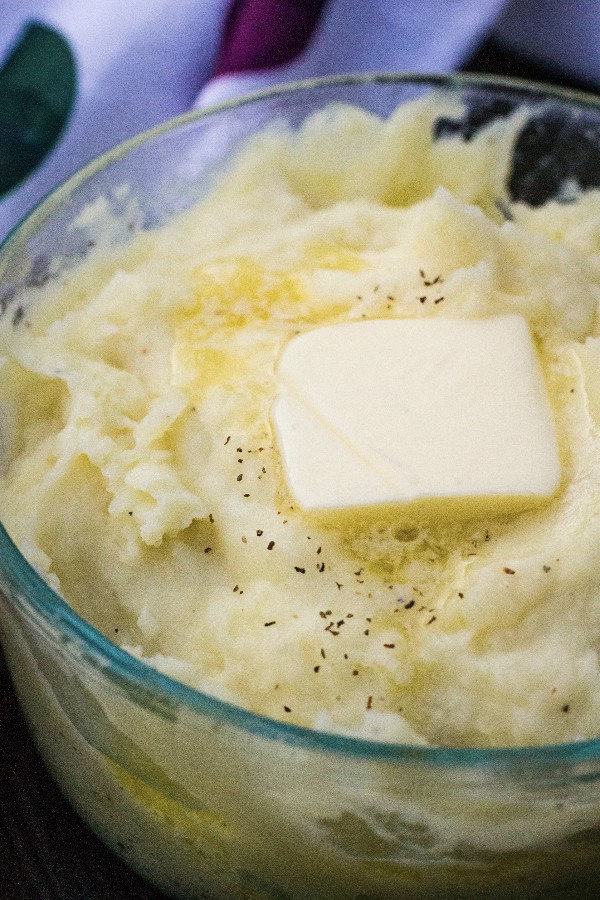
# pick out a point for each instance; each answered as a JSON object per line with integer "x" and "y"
{"x": 429, "y": 416}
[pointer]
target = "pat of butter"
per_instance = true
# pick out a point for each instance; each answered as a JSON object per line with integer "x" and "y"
{"x": 434, "y": 416}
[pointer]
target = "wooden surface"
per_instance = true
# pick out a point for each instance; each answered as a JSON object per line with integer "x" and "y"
{"x": 46, "y": 851}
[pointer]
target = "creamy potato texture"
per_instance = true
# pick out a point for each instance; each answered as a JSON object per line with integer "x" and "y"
{"x": 142, "y": 478}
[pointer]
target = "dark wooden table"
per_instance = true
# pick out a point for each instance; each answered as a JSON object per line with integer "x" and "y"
{"x": 46, "y": 851}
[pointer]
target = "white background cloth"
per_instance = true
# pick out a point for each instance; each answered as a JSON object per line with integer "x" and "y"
{"x": 142, "y": 61}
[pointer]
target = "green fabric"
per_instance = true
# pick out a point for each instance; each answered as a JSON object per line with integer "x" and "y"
{"x": 38, "y": 84}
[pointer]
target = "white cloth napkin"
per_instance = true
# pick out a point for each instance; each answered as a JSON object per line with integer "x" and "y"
{"x": 142, "y": 61}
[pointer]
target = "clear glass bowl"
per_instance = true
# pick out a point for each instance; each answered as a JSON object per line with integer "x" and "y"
{"x": 209, "y": 800}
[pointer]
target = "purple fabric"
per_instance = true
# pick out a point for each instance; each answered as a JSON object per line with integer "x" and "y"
{"x": 261, "y": 34}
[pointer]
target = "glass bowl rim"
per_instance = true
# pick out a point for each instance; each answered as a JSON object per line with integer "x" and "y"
{"x": 42, "y": 606}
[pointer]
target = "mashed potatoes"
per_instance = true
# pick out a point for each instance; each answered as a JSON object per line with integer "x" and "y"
{"x": 142, "y": 478}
